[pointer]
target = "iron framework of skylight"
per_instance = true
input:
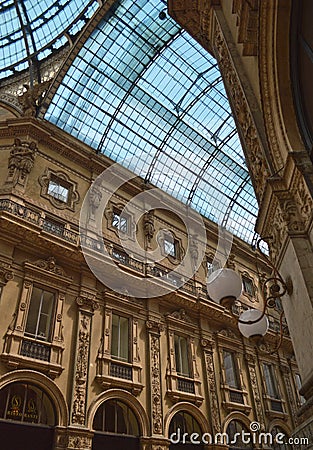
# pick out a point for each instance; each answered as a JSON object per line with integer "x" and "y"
{"x": 145, "y": 94}
{"x": 31, "y": 30}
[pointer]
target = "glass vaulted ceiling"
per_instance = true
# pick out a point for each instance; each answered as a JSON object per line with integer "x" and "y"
{"x": 145, "y": 94}
{"x": 30, "y": 30}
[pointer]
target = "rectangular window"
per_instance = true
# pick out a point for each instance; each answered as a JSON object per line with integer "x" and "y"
{"x": 182, "y": 356}
{"x": 248, "y": 285}
{"x": 231, "y": 370}
{"x": 271, "y": 385}
{"x": 58, "y": 189}
{"x": 298, "y": 384}
{"x": 119, "y": 221}
{"x": 120, "y": 338}
{"x": 169, "y": 246}
{"x": 40, "y": 314}
{"x": 212, "y": 265}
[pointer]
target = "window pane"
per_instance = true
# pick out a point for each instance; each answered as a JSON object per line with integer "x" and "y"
{"x": 58, "y": 190}
{"x": 270, "y": 381}
{"x": 115, "y": 333}
{"x": 169, "y": 246}
{"x": 230, "y": 370}
{"x": 26, "y": 403}
{"x": 181, "y": 356}
{"x": 124, "y": 338}
{"x": 33, "y": 312}
{"x": 40, "y": 312}
{"x": 120, "y": 335}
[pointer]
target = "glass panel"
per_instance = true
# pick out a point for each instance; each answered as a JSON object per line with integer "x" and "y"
{"x": 39, "y": 316}
{"x": 231, "y": 375}
{"x": 169, "y": 246}
{"x": 148, "y": 96}
{"x": 44, "y": 21}
{"x": 271, "y": 385}
{"x": 120, "y": 335}
{"x": 26, "y": 403}
{"x": 181, "y": 356}
{"x": 248, "y": 285}
{"x": 114, "y": 416}
{"x": 120, "y": 222}
{"x": 58, "y": 190}
{"x": 34, "y": 308}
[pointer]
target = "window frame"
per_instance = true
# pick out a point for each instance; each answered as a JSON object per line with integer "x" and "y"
{"x": 20, "y": 349}
{"x": 112, "y": 371}
{"x": 178, "y": 339}
{"x": 129, "y": 338}
{"x": 59, "y": 183}
{"x": 52, "y": 314}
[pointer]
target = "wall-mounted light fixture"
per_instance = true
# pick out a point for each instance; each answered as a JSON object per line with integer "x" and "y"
{"x": 224, "y": 286}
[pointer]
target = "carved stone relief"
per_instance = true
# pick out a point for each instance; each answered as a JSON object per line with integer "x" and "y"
{"x": 21, "y": 162}
{"x": 6, "y": 273}
{"x": 154, "y": 329}
{"x": 256, "y": 160}
{"x": 251, "y": 362}
{"x": 214, "y": 404}
{"x": 82, "y": 357}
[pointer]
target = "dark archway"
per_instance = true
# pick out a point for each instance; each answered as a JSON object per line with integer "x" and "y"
{"x": 116, "y": 426}
{"x": 27, "y": 418}
{"x": 183, "y": 425}
{"x": 234, "y": 432}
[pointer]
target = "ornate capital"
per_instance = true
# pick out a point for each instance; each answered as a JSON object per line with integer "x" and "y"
{"x": 154, "y": 327}
{"x": 6, "y": 273}
{"x": 87, "y": 303}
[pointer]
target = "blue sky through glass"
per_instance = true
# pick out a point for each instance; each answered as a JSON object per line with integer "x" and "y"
{"x": 145, "y": 94}
{"x": 44, "y": 23}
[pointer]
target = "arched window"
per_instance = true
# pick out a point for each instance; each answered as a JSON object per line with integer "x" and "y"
{"x": 281, "y": 434}
{"x": 234, "y": 432}
{"x": 25, "y": 402}
{"x": 182, "y": 426}
{"x": 114, "y": 416}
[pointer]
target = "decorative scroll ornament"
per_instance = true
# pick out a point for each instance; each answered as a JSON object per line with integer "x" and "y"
{"x": 180, "y": 315}
{"x": 50, "y": 265}
{"x": 6, "y": 273}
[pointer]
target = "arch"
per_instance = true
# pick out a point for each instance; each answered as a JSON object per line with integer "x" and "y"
{"x": 192, "y": 410}
{"x": 236, "y": 416}
{"x": 129, "y": 400}
{"x": 9, "y": 110}
{"x": 46, "y": 384}
{"x": 281, "y": 424}
{"x": 280, "y": 117}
